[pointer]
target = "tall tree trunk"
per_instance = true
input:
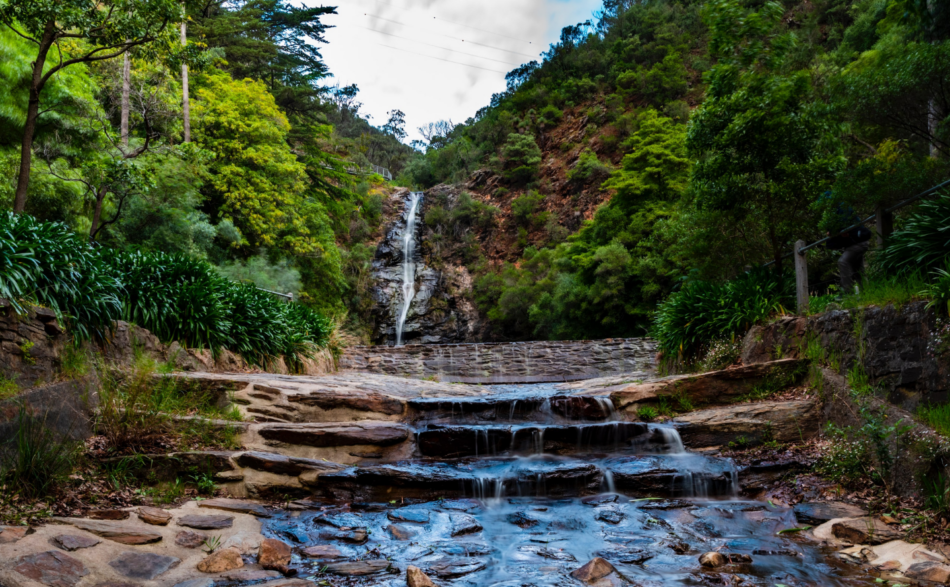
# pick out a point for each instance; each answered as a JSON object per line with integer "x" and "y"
{"x": 97, "y": 213}
{"x": 185, "y": 105}
{"x": 126, "y": 82}
{"x": 32, "y": 113}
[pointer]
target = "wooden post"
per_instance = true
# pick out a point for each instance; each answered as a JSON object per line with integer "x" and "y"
{"x": 884, "y": 224}
{"x": 801, "y": 277}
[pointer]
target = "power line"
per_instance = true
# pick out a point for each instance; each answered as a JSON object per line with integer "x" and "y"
{"x": 440, "y": 59}
{"x": 438, "y": 47}
{"x": 451, "y": 37}
{"x": 460, "y": 24}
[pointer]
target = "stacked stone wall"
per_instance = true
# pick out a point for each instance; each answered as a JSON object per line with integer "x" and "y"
{"x": 514, "y": 362}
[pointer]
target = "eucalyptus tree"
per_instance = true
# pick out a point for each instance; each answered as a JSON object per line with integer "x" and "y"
{"x": 77, "y": 31}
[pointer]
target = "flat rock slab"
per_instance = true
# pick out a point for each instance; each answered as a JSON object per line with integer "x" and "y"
{"x": 206, "y": 582}
{"x": 226, "y": 559}
{"x": 206, "y": 522}
{"x": 121, "y": 533}
{"x": 72, "y": 542}
{"x": 143, "y": 565}
{"x": 154, "y": 516}
{"x": 460, "y": 505}
{"x": 784, "y": 421}
{"x": 464, "y": 524}
{"x": 819, "y": 512}
{"x": 249, "y": 575}
{"x": 236, "y": 505}
{"x": 327, "y": 435}
{"x": 190, "y": 539}
{"x": 323, "y": 551}
{"x": 400, "y": 532}
{"x": 450, "y": 567}
{"x": 353, "y": 536}
{"x": 282, "y": 465}
{"x": 108, "y": 514}
{"x": 340, "y": 520}
{"x": 409, "y": 515}
{"x": 610, "y": 516}
{"x": 358, "y": 568}
{"x": 53, "y": 568}
{"x": 10, "y": 534}
{"x": 866, "y": 530}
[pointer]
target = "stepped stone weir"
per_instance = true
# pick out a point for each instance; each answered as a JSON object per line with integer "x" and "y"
{"x": 520, "y": 483}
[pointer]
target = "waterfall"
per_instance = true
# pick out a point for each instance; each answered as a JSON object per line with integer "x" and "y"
{"x": 408, "y": 262}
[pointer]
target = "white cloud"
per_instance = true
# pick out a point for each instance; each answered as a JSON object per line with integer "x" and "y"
{"x": 439, "y": 59}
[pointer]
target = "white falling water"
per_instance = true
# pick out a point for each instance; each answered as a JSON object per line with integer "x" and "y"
{"x": 408, "y": 262}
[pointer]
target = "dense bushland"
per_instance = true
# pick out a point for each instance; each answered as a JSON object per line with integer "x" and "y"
{"x": 175, "y": 297}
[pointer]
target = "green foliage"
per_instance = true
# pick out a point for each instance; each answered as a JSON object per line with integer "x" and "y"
{"x": 647, "y": 413}
{"x": 939, "y": 291}
{"x": 923, "y": 242}
{"x": 522, "y": 158}
{"x": 588, "y": 168}
{"x": 35, "y": 459}
{"x": 551, "y": 115}
{"x": 702, "y": 311}
{"x": 525, "y": 208}
{"x": 8, "y": 388}
{"x": 937, "y": 416}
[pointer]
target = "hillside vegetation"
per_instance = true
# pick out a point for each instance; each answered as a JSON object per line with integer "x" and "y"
{"x": 675, "y": 143}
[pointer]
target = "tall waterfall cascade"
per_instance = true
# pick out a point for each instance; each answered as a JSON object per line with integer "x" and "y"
{"x": 408, "y": 262}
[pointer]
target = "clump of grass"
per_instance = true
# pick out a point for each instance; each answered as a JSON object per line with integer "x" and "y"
{"x": 937, "y": 416}
{"x": 858, "y": 380}
{"x": 36, "y": 458}
{"x": 648, "y": 413}
{"x": 8, "y": 388}
{"x": 74, "y": 362}
{"x": 881, "y": 290}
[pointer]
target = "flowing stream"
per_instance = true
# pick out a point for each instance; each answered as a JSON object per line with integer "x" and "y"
{"x": 408, "y": 262}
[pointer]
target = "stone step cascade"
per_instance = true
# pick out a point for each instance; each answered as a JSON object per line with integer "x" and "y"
{"x": 367, "y": 434}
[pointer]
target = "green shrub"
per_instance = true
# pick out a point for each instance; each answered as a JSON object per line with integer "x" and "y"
{"x": 45, "y": 263}
{"x": 702, "y": 312}
{"x": 36, "y": 459}
{"x": 588, "y": 169}
{"x": 648, "y": 413}
{"x": 923, "y": 243}
{"x": 525, "y": 208}
{"x": 551, "y": 115}
{"x": 938, "y": 290}
{"x": 522, "y": 158}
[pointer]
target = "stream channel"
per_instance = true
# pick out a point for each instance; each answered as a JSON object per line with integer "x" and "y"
{"x": 539, "y": 492}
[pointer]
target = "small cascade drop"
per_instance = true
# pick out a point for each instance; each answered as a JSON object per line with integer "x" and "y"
{"x": 408, "y": 262}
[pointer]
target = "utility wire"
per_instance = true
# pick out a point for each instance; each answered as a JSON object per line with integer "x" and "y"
{"x": 455, "y": 38}
{"x": 460, "y": 24}
{"x": 439, "y": 58}
{"x": 437, "y": 46}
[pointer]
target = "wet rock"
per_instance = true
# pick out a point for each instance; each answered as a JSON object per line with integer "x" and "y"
{"x": 154, "y": 516}
{"x": 399, "y": 532}
{"x": 326, "y": 435}
{"x": 550, "y": 553}
{"x": 340, "y": 521}
{"x": 226, "y": 559}
{"x": 10, "y": 534}
{"x": 600, "y": 499}
{"x": 680, "y": 547}
{"x": 461, "y": 548}
{"x": 661, "y": 475}
{"x": 206, "y": 582}
{"x": 121, "y": 533}
{"x": 462, "y": 441}
{"x": 53, "y": 568}
{"x": 206, "y": 522}
{"x": 354, "y": 536}
{"x": 522, "y": 520}
{"x": 358, "y": 568}
{"x": 73, "y": 542}
{"x": 249, "y": 575}
{"x": 610, "y": 516}
{"x": 236, "y": 505}
{"x": 409, "y": 515}
{"x": 143, "y": 565}
{"x": 188, "y": 539}
{"x": 460, "y": 505}
{"x": 596, "y": 569}
{"x": 323, "y": 552}
{"x": 743, "y": 559}
{"x": 929, "y": 571}
{"x": 274, "y": 555}
{"x": 108, "y": 514}
{"x": 416, "y": 578}
{"x": 577, "y": 407}
{"x": 713, "y": 560}
{"x": 464, "y": 524}
{"x": 667, "y": 504}
{"x": 819, "y": 512}
{"x": 450, "y": 567}
{"x": 288, "y": 583}
{"x": 762, "y": 552}
{"x": 867, "y": 530}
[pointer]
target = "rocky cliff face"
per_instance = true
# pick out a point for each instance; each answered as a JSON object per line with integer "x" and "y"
{"x": 440, "y": 312}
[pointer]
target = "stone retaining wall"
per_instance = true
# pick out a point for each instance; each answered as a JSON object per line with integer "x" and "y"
{"x": 512, "y": 362}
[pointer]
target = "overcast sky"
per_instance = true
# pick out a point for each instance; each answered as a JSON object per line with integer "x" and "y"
{"x": 439, "y": 59}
